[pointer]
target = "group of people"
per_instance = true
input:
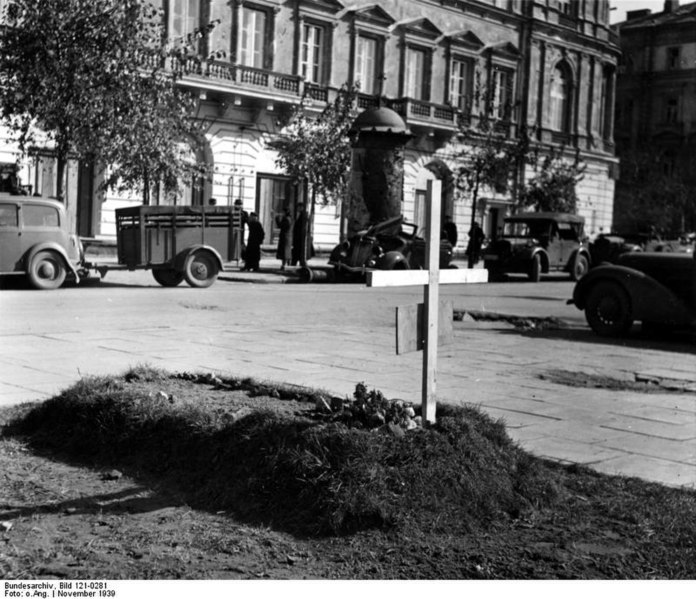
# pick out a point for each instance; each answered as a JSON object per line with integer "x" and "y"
{"x": 292, "y": 238}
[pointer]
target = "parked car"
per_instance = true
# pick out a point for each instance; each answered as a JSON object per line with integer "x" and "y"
{"x": 608, "y": 248}
{"x": 533, "y": 243}
{"x": 35, "y": 241}
{"x": 390, "y": 245}
{"x": 656, "y": 288}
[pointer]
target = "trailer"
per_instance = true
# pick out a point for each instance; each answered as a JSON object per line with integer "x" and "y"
{"x": 176, "y": 242}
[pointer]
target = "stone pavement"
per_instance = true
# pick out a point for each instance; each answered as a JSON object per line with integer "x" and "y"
{"x": 491, "y": 364}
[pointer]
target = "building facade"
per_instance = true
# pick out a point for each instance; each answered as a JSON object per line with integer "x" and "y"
{"x": 656, "y": 110}
{"x": 548, "y": 64}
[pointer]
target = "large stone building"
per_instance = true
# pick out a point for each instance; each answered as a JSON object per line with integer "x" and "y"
{"x": 551, "y": 64}
{"x": 656, "y": 116}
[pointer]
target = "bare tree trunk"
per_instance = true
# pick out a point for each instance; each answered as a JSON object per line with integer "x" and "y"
{"x": 146, "y": 189}
{"x": 61, "y": 165}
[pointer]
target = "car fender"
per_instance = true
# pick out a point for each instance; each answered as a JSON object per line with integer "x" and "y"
{"x": 541, "y": 252}
{"x": 54, "y": 247}
{"x": 392, "y": 261}
{"x": 574, "y": 256}
{"x": 180, "y": 258}
{"x": 650, "y": 300}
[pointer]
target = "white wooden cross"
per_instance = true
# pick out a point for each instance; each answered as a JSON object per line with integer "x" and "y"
{"x": 431, "y": 280}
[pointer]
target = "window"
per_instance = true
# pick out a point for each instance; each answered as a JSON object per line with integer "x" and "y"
{"x": 568, "y": 8}
{"x": 253, "y": 38}
{"x": 415, "y": 80}
{"x": 673, "y": 58}
{"x": 501, "y": 96}
{"x": 559, "y": 106}
{"x": 183, "y": 17}
{"x": 366, "y": 64}
{"x": 40, "y": 216}
{"x": 671, "y": 110}
{"x": 8, "y": 215}
{"x": 313, "y": 53}
{"x": 460, "y": 83}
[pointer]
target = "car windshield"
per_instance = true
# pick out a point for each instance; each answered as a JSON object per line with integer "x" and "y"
{"x": 534, "y": 229}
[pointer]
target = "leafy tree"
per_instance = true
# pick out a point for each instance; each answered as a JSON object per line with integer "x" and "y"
{"x": 93, "y": 76}
{"x": 316, "y": 149}
{"x": 651, "y": 193}
{"x": 553, "y": 187}
{"x": 492, "y": 160}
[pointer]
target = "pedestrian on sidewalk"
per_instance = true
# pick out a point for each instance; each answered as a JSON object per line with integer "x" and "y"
{"x": 299, "y": 237}
{"x": 473, "y": 249}
{"x": 284, "y": 251}
{"x": 449, "y": 231}
{"x": 253, "y": 248}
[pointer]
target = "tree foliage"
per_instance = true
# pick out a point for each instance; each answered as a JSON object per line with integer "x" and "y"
{"x": 553, "y": 187}
{"x": 651, "y": 193}
{"x": 316, "y": 149}
{"x": 92, "y": 76}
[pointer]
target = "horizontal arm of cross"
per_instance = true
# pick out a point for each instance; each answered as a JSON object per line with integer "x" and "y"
{"x": 404, "y": 278}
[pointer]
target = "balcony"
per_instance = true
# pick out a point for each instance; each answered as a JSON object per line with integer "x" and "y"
{"x": 238, "y": 78}
{"x": 419, "y": 112}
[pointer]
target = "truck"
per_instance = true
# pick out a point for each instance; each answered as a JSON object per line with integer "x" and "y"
{"x": 176, "y": 243}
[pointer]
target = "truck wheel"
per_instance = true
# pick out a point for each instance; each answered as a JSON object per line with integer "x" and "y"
{"x": 47, "y": 270}
{"x": 608, "y": 310}
{"x": 167, "y": 277}
{"x": 200, "y": 269}
{"x": 580, "y": 268}
{"x": 535, "y": 269}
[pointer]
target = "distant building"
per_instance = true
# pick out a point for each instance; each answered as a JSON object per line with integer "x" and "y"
{"x": 656, "y": 109}
{"x": 551, "y": 63}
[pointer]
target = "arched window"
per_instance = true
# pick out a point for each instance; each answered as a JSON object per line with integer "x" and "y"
{"x": 561, "y": 95}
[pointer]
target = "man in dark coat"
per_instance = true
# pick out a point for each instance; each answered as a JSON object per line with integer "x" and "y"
{"x": 284, "y": 251}
{"x": 253, "y": 248}
{"x": 299, "y": 237}
{"x": 449, "y": 231}
{"x": 473, "y": 249}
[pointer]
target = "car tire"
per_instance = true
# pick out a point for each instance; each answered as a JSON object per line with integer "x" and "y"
{"x": 47, "y": 270}
{"x": 580, "y": 268}
{"x": 535, "y": 269}
{"x": 167, "y": 277}
{"x": 608, "y": 309}
{"x": 200, "y": 269}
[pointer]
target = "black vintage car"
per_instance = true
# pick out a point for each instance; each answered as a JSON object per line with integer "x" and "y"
{"x": 655, "y": 288}
{"x": 390, "y": 245}
{"x": 533, "y": 243}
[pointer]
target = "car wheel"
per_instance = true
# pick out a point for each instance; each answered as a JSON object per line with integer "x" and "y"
{"x": 580, "y": 268}
{"x": 608, "y": 309}
{"x": 535, "y": 269}
{"x": 167, "y": 277}
{"x": 47, "y": 271}
{"x": 200, "y": 269}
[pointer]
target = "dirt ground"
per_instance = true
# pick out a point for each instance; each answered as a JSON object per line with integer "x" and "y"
{"x": 64, "y": 521}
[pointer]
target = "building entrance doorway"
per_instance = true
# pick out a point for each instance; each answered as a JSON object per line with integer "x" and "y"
{"x": 273, "y": 195}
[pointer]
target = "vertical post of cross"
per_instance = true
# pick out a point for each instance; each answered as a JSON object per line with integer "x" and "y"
{"x": 431, "y": 300}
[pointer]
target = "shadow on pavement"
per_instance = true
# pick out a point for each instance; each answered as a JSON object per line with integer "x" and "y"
{"x": 676, "y": 341}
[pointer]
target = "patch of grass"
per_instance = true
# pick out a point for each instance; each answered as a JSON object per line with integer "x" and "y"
{"x": 293, "y": 472}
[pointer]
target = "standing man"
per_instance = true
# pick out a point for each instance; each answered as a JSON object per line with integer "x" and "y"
{"x": 299, "y": 237}
{"x": 473, "y": 249}
{"x": 449, "y": 231}
{"x": 252, "y": 256}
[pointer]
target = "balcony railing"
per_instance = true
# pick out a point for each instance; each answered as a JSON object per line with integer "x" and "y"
{"x": 420, "y": 111}
{"x": 241, "y": 76}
